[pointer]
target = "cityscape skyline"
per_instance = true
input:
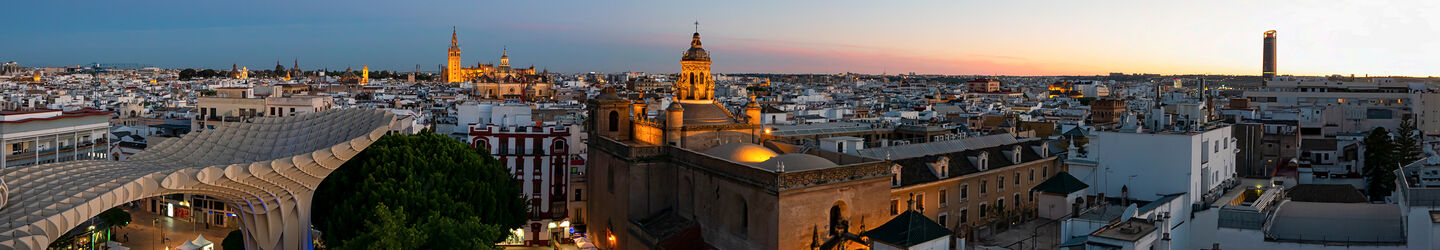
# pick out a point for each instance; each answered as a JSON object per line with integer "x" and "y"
{"x": 1060, "y": 39}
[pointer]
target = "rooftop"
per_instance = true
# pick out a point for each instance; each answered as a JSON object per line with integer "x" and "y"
{"x": 1130, "y": 230}
{"x": 940, "y": 147}
{"x": 908, "y": 229}
{"x": 1337, "y": 222}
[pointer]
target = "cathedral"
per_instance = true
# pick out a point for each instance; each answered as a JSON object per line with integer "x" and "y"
{"x": 697, "y": 176}
{"x": 497, "y": 82}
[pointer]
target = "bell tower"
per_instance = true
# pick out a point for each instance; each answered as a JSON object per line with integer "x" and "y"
{"x": 695, "y": 84}
{"x": 452, "y": 65}
{"x": 610, "y": 115}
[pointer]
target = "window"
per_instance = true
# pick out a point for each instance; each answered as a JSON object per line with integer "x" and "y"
{"x": 1017, "y": 200}
{"x": 539, "y": 147}
{"x": 743, "y": 226}
{"x": 964, "y": 192}
{"x": 1045, "y": 172}
{"x": 1016, "y": 155}
{"x": 1000, "y": 204}
{"x": 292, "y": 111}
{"x": 614, "y": 121}
{"x": 895, "y": 175}
{"x": 942, "y": 197}
{"x": 504, "y": 145}
{"x": 983, "y": 208}
{"x": 894, "y": 207}
{"x": 942, "y": 220}
{"x": 1032, "y": 175}
{"x": 982, "y": 187}
{"x": 964, "y": 216}
{"x": 1017, "y": 178}
{"x": 984, "y": 161}
{"x": 610, "y": 182}
{"x": 577, "y": 194}
{"x": 1032, "y": 195}
{"x": 1000, "y": 185}
{"x": 920, "y": 202}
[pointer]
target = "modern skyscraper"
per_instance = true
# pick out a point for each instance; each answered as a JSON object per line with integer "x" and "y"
{"x": 1269, "y": 64}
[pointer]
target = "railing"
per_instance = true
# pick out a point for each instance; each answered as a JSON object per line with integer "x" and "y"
{"x": 791, "y": 180}
{"x": 27, "y": 154}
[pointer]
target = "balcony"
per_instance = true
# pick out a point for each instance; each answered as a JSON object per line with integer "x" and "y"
{"x": 29, "y": 156}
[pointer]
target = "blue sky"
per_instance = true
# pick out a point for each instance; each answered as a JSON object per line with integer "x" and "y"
{"x": 954, "y": 37}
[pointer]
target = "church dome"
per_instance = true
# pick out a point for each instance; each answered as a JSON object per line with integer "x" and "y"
{"x": 796, "y": 162}
{"x": 695, "y": 53}
{"x": 742, "y": 152}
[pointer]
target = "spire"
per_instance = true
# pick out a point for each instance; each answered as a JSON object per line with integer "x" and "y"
{"x": 454, "y": 40}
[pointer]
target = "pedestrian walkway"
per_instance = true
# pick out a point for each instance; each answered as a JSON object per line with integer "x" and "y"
{"x": 144, "y": 231}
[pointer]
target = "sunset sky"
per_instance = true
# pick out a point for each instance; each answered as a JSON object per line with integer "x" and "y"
{"x": 948, "y": 36}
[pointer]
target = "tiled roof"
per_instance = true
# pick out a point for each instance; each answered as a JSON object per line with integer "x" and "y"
{"x": 908, "y": 229}
{"x": 1061, "y": 183}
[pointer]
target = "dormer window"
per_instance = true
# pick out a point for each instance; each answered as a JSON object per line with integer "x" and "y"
{"x": 984, "y": 161}
{"x": 1016, "y": 154}
{"x": 1044, "y": 149}
{"x": 895, "y": 175}
{"x": 941, "y": 167}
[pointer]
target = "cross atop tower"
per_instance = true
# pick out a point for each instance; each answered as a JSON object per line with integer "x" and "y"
{"x": 697, "y": 26}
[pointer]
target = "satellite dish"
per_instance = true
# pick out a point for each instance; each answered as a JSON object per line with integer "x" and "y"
{"x": 1130, "y": 212}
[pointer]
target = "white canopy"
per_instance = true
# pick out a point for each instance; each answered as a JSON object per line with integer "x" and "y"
{"x": 201, "y": 241}
{"x": 189, "y": 245}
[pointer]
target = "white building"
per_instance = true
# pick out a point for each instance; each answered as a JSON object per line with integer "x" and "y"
{"x": 40, "y": 136}
{"x": 1169, "y": 171}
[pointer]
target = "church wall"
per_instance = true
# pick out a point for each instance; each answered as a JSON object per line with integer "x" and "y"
{"x": 608, "y": 201}
{"x": 806, "y": 211}
{"x": 716, "y": 202}
{"x": 649, "y": 134}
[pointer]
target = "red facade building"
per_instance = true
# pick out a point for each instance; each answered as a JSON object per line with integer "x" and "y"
{"x": 539, "y": 158}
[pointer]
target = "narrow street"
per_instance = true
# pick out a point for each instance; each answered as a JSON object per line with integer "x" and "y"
{"x": 144, "y": 231}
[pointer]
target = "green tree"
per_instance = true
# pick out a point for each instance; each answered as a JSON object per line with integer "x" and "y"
{"x": 388, "y": 229}
{"x": 1380, "y": 164}
{"x": 455, "y": 196}
{"x": 233, "y": 241}
{"x": 186, "y": 74}
{"x": 208, "y": 73}
{"x": 115, "y": 217}
{"x": 1407, "y": 142}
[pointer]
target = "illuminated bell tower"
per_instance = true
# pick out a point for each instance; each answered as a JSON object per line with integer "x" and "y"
{"x": 365, "y": 75}
{"x": 505, "y": 58}
{"x": 695, "y": 84}
{"x": 452, "y": 65}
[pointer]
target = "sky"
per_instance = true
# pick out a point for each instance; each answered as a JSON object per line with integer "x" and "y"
{"x": 743, "y": 36}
